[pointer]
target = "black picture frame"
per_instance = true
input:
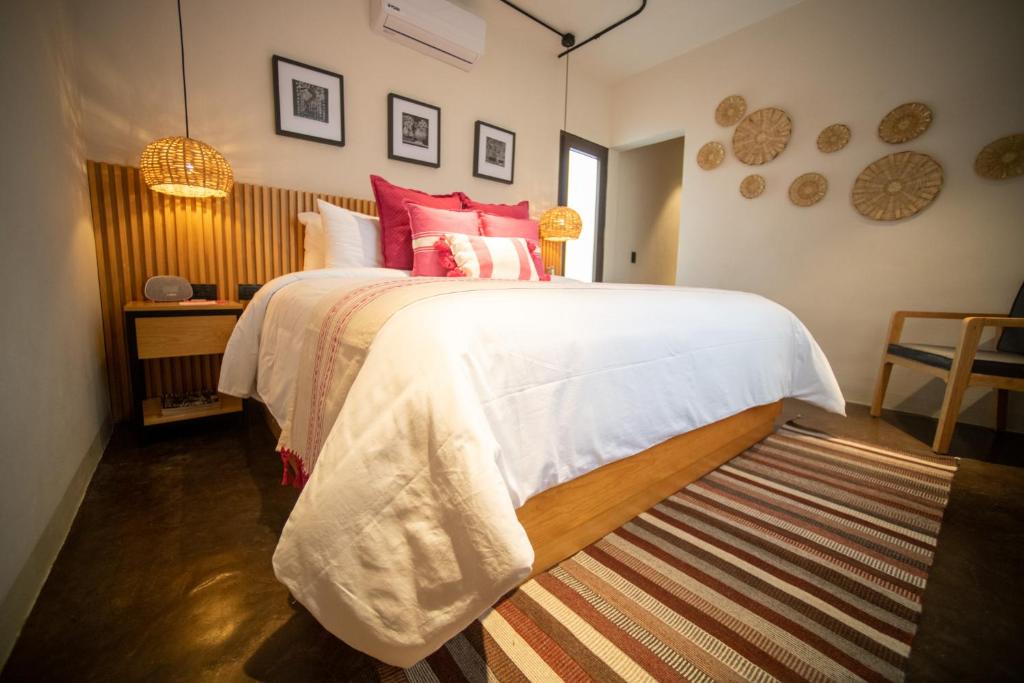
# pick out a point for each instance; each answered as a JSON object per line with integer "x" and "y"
{"x": 275, "y": 63}
{"x": 393, "y": 153}
{"x": 478, "y": 170}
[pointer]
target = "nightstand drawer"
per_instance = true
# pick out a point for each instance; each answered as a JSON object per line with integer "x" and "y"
{"x": 187, "y": 335}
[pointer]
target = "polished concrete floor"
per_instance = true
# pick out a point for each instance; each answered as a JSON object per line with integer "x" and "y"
{"x": 166, "y": 573}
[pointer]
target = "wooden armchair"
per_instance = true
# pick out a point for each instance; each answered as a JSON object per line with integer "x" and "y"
{"x": 962, "y": 365}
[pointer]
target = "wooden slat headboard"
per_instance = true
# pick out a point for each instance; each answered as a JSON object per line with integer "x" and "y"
{"x": 252, "y": 236}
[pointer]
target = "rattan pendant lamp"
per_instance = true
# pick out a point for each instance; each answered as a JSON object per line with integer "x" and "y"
{"x": 183, "y": 166}
{"x": 561, "y": 223}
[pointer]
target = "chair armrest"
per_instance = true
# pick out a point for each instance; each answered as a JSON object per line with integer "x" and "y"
{"x": 944, "y": 315}
{"x": 994, "y": 321}
{"x": 899, "y": 317}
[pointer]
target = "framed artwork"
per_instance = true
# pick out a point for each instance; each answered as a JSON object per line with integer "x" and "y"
{"x": 309, "y": 103}
{"x": 494, "y": 153}
{"x": 414, "y": 131}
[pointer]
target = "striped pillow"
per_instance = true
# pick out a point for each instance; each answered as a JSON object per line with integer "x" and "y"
{"x": 498, "y": 258}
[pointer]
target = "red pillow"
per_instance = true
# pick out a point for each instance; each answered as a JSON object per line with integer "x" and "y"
{"x": 427, "y": 226}
{"x": 394, "y": 218}
{"x": 500, "y": 226}
{"x": 520, "y": 210}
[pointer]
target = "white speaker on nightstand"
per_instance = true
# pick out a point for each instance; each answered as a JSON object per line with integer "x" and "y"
{"x": 168, "y": 288}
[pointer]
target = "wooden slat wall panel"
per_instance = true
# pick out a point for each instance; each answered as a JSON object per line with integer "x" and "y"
{"x": 250, "y": 237}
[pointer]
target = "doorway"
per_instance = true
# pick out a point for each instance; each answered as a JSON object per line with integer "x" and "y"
{"x": 582, "y": 186}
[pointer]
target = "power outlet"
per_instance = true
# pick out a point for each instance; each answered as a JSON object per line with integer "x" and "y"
{"x": 247, "y": 292}
{"x": 632, "y": 257}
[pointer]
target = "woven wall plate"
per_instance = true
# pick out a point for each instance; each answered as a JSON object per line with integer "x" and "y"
{"x": 711, "y": 155}
{"x": 752, "y": 186}
{"x": 833, "y": 138}
{"x": 808, "y": 189}
{"x": 905, "y": 122}
{"x": 762, "y": 136}
{"x": 730, "y": 110}
{"x": 897, "y": 186}
{"x": 1003, "y": 158}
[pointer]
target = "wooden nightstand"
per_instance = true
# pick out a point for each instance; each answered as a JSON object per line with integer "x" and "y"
{"x": 170, "y": 330}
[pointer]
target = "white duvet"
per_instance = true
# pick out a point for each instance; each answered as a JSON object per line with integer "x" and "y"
{"x": 469, "y": 404}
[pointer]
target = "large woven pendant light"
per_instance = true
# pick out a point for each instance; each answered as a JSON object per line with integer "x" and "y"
{"x": 182, "y": 166}
{"x": 561, "y": 223}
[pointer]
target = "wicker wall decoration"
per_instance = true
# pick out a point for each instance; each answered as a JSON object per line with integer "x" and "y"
{"x": 711, "y": 155}
{"x": 808, "y": 189}
{"x": 905, "y": 122}
{"x": 833, "y": 138}
{"x": 762, "y": 136}
{"x": 752, "y": 186}
{"x": 730, "y": 110}
{"x": 897, "y": 186}
{"x": 1003, "y": 158}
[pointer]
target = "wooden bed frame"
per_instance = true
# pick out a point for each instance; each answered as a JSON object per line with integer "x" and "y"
{"x": 569, "y": 517}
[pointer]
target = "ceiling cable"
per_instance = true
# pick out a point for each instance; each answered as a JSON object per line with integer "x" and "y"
{"x": 565, "y": 104}
{"x": 184, "y": 85}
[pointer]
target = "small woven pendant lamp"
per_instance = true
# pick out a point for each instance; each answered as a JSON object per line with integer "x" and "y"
{"x": 560, "y": 224}
{"x": 182, "y": 166}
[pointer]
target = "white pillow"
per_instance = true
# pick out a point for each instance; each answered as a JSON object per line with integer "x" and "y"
{"x": 350, "y": 239}
{"x": 313, "y": 243}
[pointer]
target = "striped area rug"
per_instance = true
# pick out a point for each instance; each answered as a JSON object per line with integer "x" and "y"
{"x": 802, "y": 559}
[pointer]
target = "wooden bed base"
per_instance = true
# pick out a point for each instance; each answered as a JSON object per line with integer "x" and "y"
{"x": 567, "y": 518}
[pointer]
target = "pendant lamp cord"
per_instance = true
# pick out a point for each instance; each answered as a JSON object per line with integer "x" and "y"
{"x": 565, "y": 104}
{"x": 184, "y": 84}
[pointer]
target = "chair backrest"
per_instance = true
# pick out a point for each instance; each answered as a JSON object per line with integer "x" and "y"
{"x": 1012, "y": 340}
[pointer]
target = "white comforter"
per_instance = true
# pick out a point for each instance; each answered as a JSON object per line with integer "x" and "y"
{"x": 469, "y": 404}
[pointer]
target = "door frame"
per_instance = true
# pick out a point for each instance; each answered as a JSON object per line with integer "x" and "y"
{"x": 569, "y": 141}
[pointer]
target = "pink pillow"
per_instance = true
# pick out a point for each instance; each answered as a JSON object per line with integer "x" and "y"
{"x": 427, "y": 226}
{"x": 394, "y": 218}
{"x": 500, "y": 226}
{"x": 520, "y": 210}
{"x": 498, "y": 258}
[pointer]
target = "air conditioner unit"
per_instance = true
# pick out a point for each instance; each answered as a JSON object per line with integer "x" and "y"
{"x": 434, "y": 27}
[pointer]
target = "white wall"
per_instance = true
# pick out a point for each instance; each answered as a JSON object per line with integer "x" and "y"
{"x": 644, "y": 215}
{"x": 131, "y": 81}
{"x": 825, "y": 61}
{"x": 54, "y": 410}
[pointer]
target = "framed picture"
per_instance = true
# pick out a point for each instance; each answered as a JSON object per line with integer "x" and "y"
{"x": 414, "y": 131}
{"x": 494, "y": 153}
{"x": 309, "y": 103}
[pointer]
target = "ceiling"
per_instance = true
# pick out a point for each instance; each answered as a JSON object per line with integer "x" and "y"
{"x": 665, "y": 29}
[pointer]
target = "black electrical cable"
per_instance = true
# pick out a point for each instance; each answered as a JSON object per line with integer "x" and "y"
{"x": 184, "y": 85}
{"x": 568, "y": 39}
{"x": 620, "y": 22}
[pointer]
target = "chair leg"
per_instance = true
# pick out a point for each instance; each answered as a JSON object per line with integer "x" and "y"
{"x": 948, "y": 415}
{"x": 881, "y": 384}
{"x": 1002, "y": 399}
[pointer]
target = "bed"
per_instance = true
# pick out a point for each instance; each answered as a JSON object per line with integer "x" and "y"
{"x": 456, "y": 437}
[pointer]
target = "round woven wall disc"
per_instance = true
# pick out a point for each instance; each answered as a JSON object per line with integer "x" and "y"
{"x": 834, "y": 138}
{"x": 808, "y": 189}
{"x": 762, "y": 136}
{"x": 897, "y": 186}
{"x": 730, "y": 110}
{"x": 905, "y": 122}
{"x": 752, "y": 186}
{"x": 711, "y": 155}
{"x": 1001, "y": 159}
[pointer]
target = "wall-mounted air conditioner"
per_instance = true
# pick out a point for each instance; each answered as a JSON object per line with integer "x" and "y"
{"x": 434, "y": 27}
